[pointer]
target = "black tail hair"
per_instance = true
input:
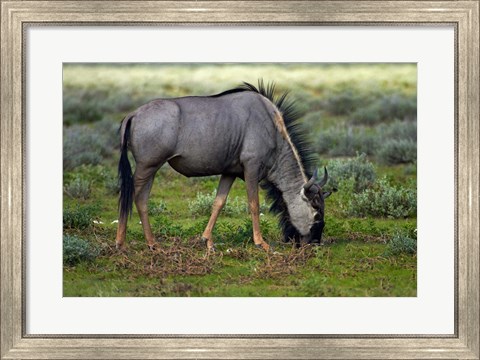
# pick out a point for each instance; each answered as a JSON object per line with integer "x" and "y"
{"x": 125, "y": 177}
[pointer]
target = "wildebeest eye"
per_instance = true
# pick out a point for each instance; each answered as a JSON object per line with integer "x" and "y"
{"x": 316, "y": 201}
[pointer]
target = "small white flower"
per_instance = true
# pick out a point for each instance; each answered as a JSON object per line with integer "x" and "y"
{"x": 97, "y": 222}
{"x": 114, "y": 222}
{"x": 140, "y": 222}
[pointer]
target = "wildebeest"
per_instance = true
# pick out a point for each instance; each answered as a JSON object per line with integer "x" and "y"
{"x": 246, "y": 132}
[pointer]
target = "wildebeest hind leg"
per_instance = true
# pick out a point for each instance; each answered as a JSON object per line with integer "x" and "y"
{"x": 224, "y": 186}
{"x": 143, "y": 179}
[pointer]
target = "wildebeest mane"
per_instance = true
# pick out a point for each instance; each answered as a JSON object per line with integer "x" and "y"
{"x": 298, "y": 136}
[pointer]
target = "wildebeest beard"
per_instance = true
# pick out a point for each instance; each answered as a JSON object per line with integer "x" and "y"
{"x": 315, "y": 237}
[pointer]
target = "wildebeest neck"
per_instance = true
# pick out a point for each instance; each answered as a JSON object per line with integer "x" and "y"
{"x": 287, "y": 176}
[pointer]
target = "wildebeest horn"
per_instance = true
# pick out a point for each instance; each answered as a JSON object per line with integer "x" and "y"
{"x": 312, "y": 180}
{"x": 325, "y": 178}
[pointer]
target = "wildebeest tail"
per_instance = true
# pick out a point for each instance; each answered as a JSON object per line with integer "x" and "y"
{"x": 125, "y": 177}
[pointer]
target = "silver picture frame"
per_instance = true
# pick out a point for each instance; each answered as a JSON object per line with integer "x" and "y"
{"x": 16, "y": 16}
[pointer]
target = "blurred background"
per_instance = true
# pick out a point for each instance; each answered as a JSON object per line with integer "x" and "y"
{"x": 361, "y": 122}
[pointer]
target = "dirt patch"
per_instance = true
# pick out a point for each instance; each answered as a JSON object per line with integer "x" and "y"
{"x": 172, "y": 257}
{"x": 284, "y": 262}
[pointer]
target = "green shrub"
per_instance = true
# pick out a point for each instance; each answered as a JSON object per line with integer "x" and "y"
{"x": 235, "y": 207}
{"x": 82, "y": 146}
{"x": 80, "y": 150}
{"x": 346, "y": 141}
{"x": 202, "y": 205}
{"x": 358, "y": 168}
{"x": 398, "y": 106}
{"x": 157, "y": 208}
{"x": 344, "y": 102}
{"x": 398, "y": 130}
{"x": 410, "y": 169}
{"x": 78, "y": 188}
{"x": 384, "y": 200}
{"x": 401, "y": 243}
{"x": 81, "y": 105}
{"x": 394, "y": 152}
{"x": 76, "y": 249}
{"x": 89, "y": 145}
{"x": 88, "y": 105}
{"x": 112, "y": 186}
{"x": 79, "y": 217}
{"x": 234, "y": 233}
{"x": 311, "y": 121}
{"x": 264, "y": 207}
{"x": 166, "y": 227}
{"x": 386, "y": 108}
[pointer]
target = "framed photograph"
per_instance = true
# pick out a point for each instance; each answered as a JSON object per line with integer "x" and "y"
{"x": 377, "y": 253}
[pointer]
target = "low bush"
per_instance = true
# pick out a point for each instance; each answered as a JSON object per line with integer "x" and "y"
{"x": 344, "y": 102}
{"x": 81, "y": 105}
{"x": 358, "y": 168}
{"x": 384, "y": 200}
{"x": 398, "y": 130}
{"x": 78, "y": 217}
{"x": 157, "y": 208}
{"x": 76, "y": 250}
{"x": 88, "y": 105}
{"x": 346, "y": 141}
{"x": 82, "y": 146}
{"x": 401, "y": 243}
{"x": 229, "y": 232}
{"x": 112, "y": 186}
{"x": 311, "y": 121}
{"x": 78, "y": 188}
{"x": 386, "y": 108}
{"x": 403, "y": 151}
{"x": 88, "y": 145}
{"x": 79, "y": 149}
{"x": 202, "y": 205}
{"x": 166, "y": 227}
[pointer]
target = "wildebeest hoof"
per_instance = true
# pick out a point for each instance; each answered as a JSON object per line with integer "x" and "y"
{"x": 315, "y": 243}
{"x": 210, "y": 248}
{"x": 119, "y": 246}
{"x": 264, "y": 246}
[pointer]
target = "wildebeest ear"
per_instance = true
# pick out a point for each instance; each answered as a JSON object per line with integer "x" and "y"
{"x": 328, "y": 193}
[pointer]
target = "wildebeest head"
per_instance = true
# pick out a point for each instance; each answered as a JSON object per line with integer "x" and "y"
{"x": 313, "y": 193}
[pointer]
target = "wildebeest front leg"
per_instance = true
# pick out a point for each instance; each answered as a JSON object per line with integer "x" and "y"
{"x": 222, "y": 192}
{"x": 252, "y": 191}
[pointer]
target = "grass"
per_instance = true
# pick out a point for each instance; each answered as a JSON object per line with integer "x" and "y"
{"x": 345, "y": 268}
{"x": 351, "y": 263}
{"x": 368, "y": 255}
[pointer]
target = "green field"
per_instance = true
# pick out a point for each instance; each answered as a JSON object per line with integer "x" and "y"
{"x": 361, "y": 121}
